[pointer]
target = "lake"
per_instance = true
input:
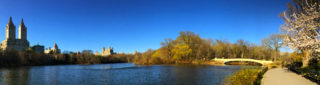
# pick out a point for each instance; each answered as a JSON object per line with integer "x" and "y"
{"x": 116, "y": 74}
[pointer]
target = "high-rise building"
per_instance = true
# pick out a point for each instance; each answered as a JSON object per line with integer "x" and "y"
{"x": 10, "y": 42}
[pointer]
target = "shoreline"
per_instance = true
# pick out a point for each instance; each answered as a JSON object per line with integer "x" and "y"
{"x": 59, "y": 64}
{"x": 214, "y": 63}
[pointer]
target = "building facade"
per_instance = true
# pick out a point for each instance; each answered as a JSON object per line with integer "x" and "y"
{"x": 105, "y": 52}
{"x": 38, "y": 48}
{"x": 10, "y": 42}
{"x": 54, "y": 50}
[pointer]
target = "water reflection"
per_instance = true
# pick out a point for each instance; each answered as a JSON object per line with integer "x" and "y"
{"x": 16, "y": 76}
{"x": 116, "y": 74}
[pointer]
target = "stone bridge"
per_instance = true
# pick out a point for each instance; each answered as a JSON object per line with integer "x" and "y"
{"x": 262, "y": 62}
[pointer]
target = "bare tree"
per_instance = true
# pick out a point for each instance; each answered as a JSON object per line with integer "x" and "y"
{"x": 243, "y": 46}
{"x": 274, "y": 41}
{"x": 301, "y": 27}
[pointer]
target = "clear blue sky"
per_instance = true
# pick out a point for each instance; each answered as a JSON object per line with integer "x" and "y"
{"x": 130, "y": 25}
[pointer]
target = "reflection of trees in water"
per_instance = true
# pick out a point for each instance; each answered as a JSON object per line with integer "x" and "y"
{"x": 17, "y": 76}
{"x": 243, "y": 63}
{"x": 43, "y": 75}
{"x": 201, "y": 74}
{"x": 196, "y": 74}
{"x": 185, "y": 74}
{"x": 158, "y": 74}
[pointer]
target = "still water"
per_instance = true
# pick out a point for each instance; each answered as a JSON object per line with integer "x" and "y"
{"x": 116, "y": 74}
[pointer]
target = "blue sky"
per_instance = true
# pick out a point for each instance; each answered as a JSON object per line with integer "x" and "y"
{"x": 130, "y": 25}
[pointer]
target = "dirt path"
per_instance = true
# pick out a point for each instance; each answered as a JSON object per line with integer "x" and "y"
{"x": 279, "y": 76}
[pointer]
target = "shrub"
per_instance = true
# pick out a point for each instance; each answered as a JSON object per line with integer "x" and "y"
{"x": 311, "y": 72}
{"x": 248, "y": 76}
{"x": 314, "y": 63}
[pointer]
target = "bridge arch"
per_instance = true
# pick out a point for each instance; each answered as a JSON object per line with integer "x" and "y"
{"x": 242, "y": 62}
{"x": 262, "y": 62}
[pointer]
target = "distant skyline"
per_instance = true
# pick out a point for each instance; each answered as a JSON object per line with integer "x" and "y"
{"x": 129, "y": 25}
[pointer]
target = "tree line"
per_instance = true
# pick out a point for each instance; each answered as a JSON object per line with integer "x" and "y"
{"x": 13, "y": 58}
{"x": 189, "y": 47}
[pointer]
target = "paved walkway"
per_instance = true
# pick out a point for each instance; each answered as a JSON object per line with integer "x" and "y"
{"x": 279, "y": 76}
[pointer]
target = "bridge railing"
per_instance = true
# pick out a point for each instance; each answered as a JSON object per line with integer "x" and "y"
{"x": 242, "y": 59}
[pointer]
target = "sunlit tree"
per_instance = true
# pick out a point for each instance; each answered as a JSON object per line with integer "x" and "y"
{"x": 181, "y": 52}
{"x": 301, "y": 27}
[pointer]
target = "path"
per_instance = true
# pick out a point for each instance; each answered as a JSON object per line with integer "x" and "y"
{"x": 279, "y": 76}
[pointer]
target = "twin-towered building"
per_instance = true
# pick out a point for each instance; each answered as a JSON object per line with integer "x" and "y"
{"x": 20, "y": 44}
{"x": 10, "y": 42}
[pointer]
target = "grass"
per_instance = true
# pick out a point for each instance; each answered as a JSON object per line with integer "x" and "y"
{"x": 247, "y": 76}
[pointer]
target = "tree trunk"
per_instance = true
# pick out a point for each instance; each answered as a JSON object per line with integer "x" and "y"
{"x": 276, "y": 55}
{"x": 242, "y": 55}
{"x": 306, "y": 58}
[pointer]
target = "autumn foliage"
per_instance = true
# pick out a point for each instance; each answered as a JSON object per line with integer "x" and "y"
{"x": 189, "y": 47}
